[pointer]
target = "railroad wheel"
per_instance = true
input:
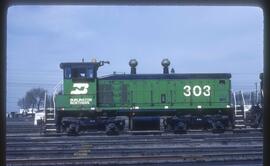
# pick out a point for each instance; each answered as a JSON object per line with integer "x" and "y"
{"x": 112, "y": 129}
{"x": 180, "y": 128}
{"x": 218, "y": 127}
{"x": 63, "y": 129}
{"x": 167, "y": 126}
{"x": 73, "y": 129}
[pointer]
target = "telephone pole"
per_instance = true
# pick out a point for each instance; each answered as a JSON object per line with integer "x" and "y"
{"x": 256, "y": 96}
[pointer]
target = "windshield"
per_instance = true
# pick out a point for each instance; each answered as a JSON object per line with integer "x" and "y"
{"x": 78, "y": 73}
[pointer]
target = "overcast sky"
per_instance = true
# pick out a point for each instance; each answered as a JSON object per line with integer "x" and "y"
{"x": 194, "y": 39}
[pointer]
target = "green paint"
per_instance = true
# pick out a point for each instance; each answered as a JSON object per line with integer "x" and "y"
{"x": 151, "y": 94}
{"x": 85, "y": 99}
{"x": 139, "y": 94}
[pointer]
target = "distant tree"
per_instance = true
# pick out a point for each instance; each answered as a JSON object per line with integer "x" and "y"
{"x": 38, "y": 95}
{"x": 33, "y": 98}
{"x": 22, "y": 103}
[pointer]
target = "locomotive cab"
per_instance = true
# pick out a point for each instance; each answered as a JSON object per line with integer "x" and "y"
{"x": 79, "y": 86}
{"x": 78, "y": 71}
{"x": 76, "y": 107}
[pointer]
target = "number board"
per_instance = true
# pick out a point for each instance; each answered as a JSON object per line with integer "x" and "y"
{"x": 197, "y": 90}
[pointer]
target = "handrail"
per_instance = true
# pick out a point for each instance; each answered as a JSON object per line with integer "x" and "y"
{"x": 243, "y": 99}
{"x": 59, "y": 84}
{"x": 234, "y": 99}
{"x": 45, "y": 101}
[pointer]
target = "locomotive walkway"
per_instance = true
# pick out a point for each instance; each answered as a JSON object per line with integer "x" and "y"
{"x": 193, "y": 148}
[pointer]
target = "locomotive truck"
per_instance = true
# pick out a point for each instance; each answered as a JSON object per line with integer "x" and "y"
{"x": 167, "y": 101}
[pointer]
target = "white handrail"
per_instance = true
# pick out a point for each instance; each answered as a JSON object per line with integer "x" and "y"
{"x": 45, "y": 101}
{"x": 234, "y": 99}
{"x": 60, "y": 83}
{"x": 243, "y": 99}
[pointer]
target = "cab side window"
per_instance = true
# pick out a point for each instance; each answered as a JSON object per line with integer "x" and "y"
{"x": 89, "y": 73}
{"x": 78, "y": 73}
{"x": 67, "y": 73}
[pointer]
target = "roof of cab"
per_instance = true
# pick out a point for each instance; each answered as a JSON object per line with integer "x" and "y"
{"x": 77, "y": 64}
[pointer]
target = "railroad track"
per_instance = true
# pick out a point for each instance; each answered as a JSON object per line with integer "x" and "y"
{"x": 21, "y": 126}
{"x": 88, "y": 150}
{"x": 145, "y": 133}
{"x": 142, "y": 160}
{"x": 193, "y": 148}
{"x": 134, "y": 150}
{"x": 132, "y": 143}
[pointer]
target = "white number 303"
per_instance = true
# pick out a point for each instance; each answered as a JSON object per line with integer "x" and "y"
{"x": 197, "y": 90}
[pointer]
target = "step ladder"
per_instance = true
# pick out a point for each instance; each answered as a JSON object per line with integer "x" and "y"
{"x": 239, "y": 117}
{"x": 49, "y": 126}
{"x": 239, "y": 113}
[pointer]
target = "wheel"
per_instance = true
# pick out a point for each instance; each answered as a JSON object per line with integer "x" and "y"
{"x": 63, "y": 129}
{"x": 168, "y": 127}
{"x": 180, "y": 128}
{"x": 218, "y": 127}
{"x": 73, "y": 129}
{"x": 112, "y": 129}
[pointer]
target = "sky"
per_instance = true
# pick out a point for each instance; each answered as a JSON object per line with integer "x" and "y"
{"x": 196, "y": 39}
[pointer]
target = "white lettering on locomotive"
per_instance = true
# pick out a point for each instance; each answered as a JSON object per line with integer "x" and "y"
{"x": 76, "y": 101}
{"x": 206, "y": 91}
{"x": 197, "y": 90}
{"x": 79, "y": 89}
{"x": 187, "y": 89}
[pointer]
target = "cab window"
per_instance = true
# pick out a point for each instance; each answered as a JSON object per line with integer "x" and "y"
{"x": 67, "y": 73}
{"x": 89, "y": 73}
{"x": 78, "y": 73}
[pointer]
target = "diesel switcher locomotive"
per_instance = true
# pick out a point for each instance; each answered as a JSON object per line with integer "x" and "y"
{"x": 117, "y": 102}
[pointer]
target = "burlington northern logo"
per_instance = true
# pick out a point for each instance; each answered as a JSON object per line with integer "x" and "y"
{"x": 80, "y": 101}
{"x": 79, "y": 89}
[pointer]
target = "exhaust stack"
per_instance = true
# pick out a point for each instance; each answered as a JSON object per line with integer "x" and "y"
{"x": 133, "y": 63}
{"x": 165, "y": 63}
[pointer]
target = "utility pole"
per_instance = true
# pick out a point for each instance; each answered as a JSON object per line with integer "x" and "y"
{"x": 45, "y": 100}
{"x": 256, "y": 97}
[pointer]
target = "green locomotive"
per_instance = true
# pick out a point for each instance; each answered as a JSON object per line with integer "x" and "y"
{"x": 173, "y": 102}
